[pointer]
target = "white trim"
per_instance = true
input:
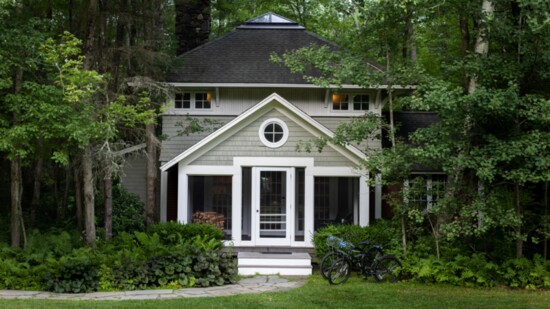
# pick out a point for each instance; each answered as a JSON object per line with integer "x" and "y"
{"x": 263, "y": 139}
{"x": 209, "y": 170}
{"x": 258, "y": 85}
{"x": 233, "y": 123}
{"x": 273, "y": 161}
{"x": 378, "y": 197}
{"x": 322, "y": 171}
{"x": 163, "y": 196}
{"x": 289, "y": 214}
{"x": 183, "y": 198}
{"x": 364, "y": 209}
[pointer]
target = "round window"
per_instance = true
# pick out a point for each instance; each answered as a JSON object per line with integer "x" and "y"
{"x": 273, "y": 133}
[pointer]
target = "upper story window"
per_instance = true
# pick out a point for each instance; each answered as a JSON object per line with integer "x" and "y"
{"x": 350, "y": 102}
{"x": 193, "y": 100}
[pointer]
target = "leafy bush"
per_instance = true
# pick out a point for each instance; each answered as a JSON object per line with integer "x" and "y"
{"x": 183, "y": 269}
{"x": 76, "y": 273}
{"x": 381, "y": 232}
{"x": 128, "y": 211}
{"x": 18, "y": 275}
{"x": 172, "y": 233}
{"x": 526, "y": 273}
{"x": 476, "y": 270}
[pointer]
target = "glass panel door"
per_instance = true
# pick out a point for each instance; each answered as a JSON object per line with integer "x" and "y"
{"x": 273, "y": 206}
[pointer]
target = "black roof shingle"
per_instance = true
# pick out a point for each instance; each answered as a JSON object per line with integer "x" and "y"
{"x": 243, "y": 56}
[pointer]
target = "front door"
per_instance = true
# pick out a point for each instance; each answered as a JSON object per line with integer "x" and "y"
{"x": 273, "y": 205}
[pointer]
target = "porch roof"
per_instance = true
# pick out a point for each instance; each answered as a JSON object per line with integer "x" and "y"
{"x": 275, "y": 100}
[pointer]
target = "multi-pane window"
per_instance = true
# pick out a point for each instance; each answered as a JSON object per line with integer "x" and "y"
{"x": 193, "y": 100}
{"x": 340, "y": 102}
{"x": 361, "y": 102}
{"x": 273, "y": 132}
{"x": 425, "y": 190}
{"x": 347, "y": 102}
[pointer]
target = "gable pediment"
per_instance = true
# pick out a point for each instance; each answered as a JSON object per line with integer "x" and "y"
{"x": 242, "y": 134}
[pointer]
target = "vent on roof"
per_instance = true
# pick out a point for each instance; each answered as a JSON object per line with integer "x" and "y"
{"x": 270, "y": 21}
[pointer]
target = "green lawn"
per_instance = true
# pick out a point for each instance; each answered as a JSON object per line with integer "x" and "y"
{"x": 317, "y": 293}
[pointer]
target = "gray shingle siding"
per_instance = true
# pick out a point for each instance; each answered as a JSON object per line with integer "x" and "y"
{"x": 135, "y": 175}
{"x": 246, "y": 143}
{"x": 173, "y": 143}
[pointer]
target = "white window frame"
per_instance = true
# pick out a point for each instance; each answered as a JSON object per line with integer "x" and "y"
{"x": 193, "y": 100}
{"x": 430, "y": 193}
{"x": 350, "y": 97}
{"x": 266, "y": 142}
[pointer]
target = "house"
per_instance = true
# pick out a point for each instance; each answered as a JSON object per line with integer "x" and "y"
{"x": 243, "y": 163}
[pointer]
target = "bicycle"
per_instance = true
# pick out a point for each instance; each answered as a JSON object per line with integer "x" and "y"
{"x": 336, "y": 265}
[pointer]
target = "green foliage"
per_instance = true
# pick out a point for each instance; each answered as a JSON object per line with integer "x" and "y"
{"x": 525, "y": 273}
{"x": 171, "y": 233}
{"x": 128, "y": 211}
{"x": 76, "y": 273}
{"x": 382, "y": 232}
{"x": 476, "y": 270}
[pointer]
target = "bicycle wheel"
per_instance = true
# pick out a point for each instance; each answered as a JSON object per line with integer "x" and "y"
{"x": 369, "y": 258}
{"x": 387, "y": 269}
{"x": 339, "y": 272}
{"x": 326, "y": 263}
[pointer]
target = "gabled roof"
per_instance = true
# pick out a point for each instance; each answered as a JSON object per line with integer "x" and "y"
{"x": 243, "y": 56}
{"x": 273, "y": 100}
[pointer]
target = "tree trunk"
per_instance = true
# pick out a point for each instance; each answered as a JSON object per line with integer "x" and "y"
{"x": 108, "y": 200}
{"x": 89, "y": 202}
{"x": 464, "y": 46}
{"x": 78, "y": 196}
{"x": 35, "y": 201}
{"x": 16, "y": 194}
{"x": 192, "y": 24}
{"x": 519, "y": 238}
{"x": 482, "y": 43}
{"x": 90, "y": 34}
{"x": 546, "y": 220}
{"x": 152, "y": 174}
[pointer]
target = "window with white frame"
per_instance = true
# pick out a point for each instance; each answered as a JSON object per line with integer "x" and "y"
{"x": 425, "y": 190}
{"x": 273, "y": 133}
{"x": 191, "y": 100}
{"x": 350, "y": 102}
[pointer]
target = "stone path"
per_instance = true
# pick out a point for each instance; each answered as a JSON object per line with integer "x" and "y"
{"x": 252, "y": 285}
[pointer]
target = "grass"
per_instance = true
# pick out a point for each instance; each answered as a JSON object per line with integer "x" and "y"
{"x": 317, "y": 293}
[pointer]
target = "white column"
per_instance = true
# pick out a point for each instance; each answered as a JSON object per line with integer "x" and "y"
{"x": 378, "y": 197}
{"x": 364, "y": 201}
{"x": 163, "y": 192}
{"x": 183, "y": 195}
{"x": 308, "y": 207}
{"x": 236, "y": 205}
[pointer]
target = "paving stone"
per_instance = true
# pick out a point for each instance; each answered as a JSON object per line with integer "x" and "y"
{"x": 253, "y": 285}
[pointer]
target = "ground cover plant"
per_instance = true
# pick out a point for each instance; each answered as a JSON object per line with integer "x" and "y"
{"x": 185, "y": 256}
{"x": 456, "y": 265}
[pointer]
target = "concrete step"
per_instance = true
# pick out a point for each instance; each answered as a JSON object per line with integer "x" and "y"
{"x": 283, "y": 263}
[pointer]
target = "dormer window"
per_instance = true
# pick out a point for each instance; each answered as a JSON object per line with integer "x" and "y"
{"x": 193, "y": 100}
{"x": 350, "y": 102}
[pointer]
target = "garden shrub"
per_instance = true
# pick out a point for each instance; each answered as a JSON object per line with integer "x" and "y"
{"x": 75, "y": 273}
{"x": 128, "y": 211}
{"x": 381, "y": 232}
{"x": 18, "y": 275}
{"x": 172, "y": 232}
{"x": 182, "y": 269}
{"x": 525, "y": 273}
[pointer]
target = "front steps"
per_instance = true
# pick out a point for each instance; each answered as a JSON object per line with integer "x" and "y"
{"x": 269, "y": 263}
